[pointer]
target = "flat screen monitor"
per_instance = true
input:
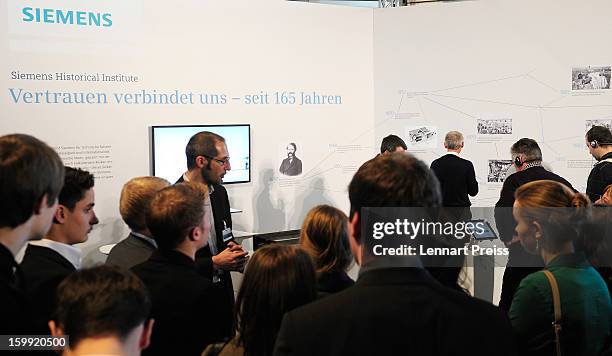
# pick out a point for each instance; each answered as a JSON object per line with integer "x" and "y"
{"x": 168, "y": 144}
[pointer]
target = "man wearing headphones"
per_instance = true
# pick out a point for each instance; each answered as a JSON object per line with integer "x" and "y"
{"x": 527, "y": 159}
{"x": 599, "y": 142}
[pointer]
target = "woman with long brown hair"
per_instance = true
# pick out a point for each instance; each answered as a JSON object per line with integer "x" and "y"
{"x": 324, "y": 236}
{"x": 277, "y": 279}
{"x": 550, "y": 218}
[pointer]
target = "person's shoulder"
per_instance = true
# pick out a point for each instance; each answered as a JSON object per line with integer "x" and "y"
{"x": 37, "y": 255}
{"x": 323, "y": 309}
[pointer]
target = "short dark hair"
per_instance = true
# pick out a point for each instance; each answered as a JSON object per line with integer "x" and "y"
{"x": 527, "y": 147}
{"x": 29, "y": 170}
{"x": 294, "y": 146}
{"x": 201, "y": 144}
{"x": 391, "y": 142}
{"x": 601, "y": 134}
{"x": 278, "y": 279}
{"x": 395, "y": 180}
{"x": 175, "y": 210}
{"x": 100, "y": 301}
{"x": 76, "y": 183}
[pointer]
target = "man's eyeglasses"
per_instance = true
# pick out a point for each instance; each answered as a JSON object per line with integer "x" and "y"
{"x": 222, "y": 162}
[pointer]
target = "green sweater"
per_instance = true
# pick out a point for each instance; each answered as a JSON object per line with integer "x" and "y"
{"x": 586, "y": 309}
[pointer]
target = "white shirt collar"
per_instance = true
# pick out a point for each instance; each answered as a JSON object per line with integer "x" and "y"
{"x": 452, "y": 153}
{"x": 69, "y": 252}
{"x": 146, "y": 238}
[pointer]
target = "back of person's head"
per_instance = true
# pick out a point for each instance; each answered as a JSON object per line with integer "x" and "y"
{"x": 606, "y": 197}
{"x": 29, "y": 171}
{"x": 76, "y": 183}
{"x": 174, "y": 211}
{"x": 103, "y": 301}
{"x": 556, "y": 208}
{"x": 324, "y": 236}
{"x": 528, "y": 148}
{"x": 201, "y": 144}
{"x": 453, "y": 140}
{"x": 599, "y": 136}
{"x": 135, "y": 198}
{"x": 278, "y": 278}
{"x": 396, "y": 180}
{"x": 391, "y": 143}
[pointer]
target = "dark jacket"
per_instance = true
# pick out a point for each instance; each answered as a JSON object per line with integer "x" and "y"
{"x": 44, "y": 270}
{"x": 503, "y": 212}
{"x": 130, "y": 252}
{"x": 292, "y": 168}
{"x": 457, "y": 179}
{"x": 395, "y": 311}
{"x": 600, "y": 177}
{"x": 332, "y": 282}
{"x": 219, "y": 201}
{"x": 520, "y": 262}
{"x": 14, "y": 310}
{"x": 184, "y": 305}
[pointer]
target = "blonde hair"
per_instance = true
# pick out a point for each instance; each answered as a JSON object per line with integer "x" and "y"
{"x": 453, "y": 140}
{"x": 560, "y": 211}
{"x": 324, "y": 236}
{"x": 135, "y": 197}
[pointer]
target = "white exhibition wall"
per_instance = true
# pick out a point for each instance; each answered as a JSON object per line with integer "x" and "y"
{"x": 445, "y": 66}
{"x": 435, "y": 66}
{"x": 231, "y": 48}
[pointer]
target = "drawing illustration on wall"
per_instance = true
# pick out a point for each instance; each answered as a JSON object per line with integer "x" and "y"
{"x": 591, "y": 78}
{"x": 497, "y": 170}
{"x": 604, "y": 122}
{"x": 494, "y": 126}
{"x": 422, "y": 137}
{"x": 291, "y": 166}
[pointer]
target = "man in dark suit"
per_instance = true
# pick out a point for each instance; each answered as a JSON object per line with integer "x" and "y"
{"x": 207, "y": 162}
{"x": 291, "y": 166}
{"x": 527, "y": 159}
{"x": 48, "y": 261}
{"x": 393, "y": 308}
{"x": 457, "y": 180}
{"x": 184, "y": 301}
{"x": 599, "y": 142}
{"x": 31, "y": 177}
{"x": 455, "y": 174}
{"x": 139, "y": 245}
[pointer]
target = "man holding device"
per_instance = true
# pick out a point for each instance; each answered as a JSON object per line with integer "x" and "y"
{"x": 207, "y": 163}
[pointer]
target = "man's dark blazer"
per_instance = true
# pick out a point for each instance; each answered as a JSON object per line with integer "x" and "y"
{"x": 130, "y": 252}
{"x": 14, "y": 307}
{"x": 44, "y": 269}
{"x": 395, "y": 311}
{"x": 219, "y": 201}
{"x": 332, "y": 282}
{"x": 183, "y": 304}
{"x": 599, "y": 178}
{"x": 292, "y": 168}
{"x": 457, "y": 180}
{"x": 520, "y": 262}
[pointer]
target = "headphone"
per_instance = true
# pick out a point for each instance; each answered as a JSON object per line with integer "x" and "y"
{"x": 596, "y": 143}
{"x": 519, "y": 163}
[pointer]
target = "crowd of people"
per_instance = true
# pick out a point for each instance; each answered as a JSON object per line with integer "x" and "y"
{"x": 166, "y": 289}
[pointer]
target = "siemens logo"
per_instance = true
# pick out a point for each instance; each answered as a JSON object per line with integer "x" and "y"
{"x": 66, "y": 17}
